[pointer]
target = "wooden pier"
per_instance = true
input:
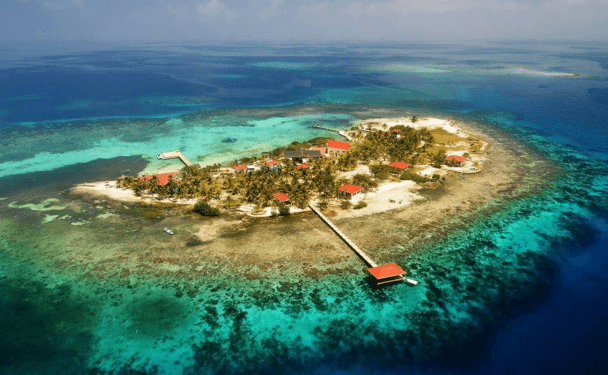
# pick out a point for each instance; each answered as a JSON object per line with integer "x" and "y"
{"x": 350, "y": 243}
{"x": 175, "y": 155}
{"x": 385, "y": 274}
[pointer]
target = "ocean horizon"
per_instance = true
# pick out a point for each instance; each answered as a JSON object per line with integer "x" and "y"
{"x": 519, "y": 287}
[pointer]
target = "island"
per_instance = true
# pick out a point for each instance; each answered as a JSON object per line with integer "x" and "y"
{"x": 378, "y": 166}
{"x": 412, "y": 194}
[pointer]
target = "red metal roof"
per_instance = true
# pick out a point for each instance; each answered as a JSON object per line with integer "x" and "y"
{"x": 241, "y": 167}
{"x": 386, "y": 270}
{"x": 163, "y": 178}
{"x": 272, "y": 162}
{"x": 458, "y": 158}
{"x": 321, "y": 150}
{"x": 280, "y": 197}
{"x": 338, "y": 144}
{"x": 303, "y": 166}
{"x": 350, "y": 189}
{"x": 396, "y": 130}
{"x": 399, "y": 164}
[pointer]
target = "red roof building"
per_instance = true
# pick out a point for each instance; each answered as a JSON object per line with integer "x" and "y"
{"x": 163, "y": 178}
{"x": 322, "y": 150}
{"x": 303, "y": 166}
{"x": 240, "y": 167}
{"x": 350, "y": 189}
{"x": 396, "y": 130}
{"x": 457, "y": 158}
{"x": 339, "y": 145}
{"x": 271, "y": 163}
{"x": 387, "y": 273}
{"x": 399, "y": 165}
{"x": 280, "y": 197}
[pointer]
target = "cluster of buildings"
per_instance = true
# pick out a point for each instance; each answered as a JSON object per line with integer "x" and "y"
{"x": 332, "y": 149}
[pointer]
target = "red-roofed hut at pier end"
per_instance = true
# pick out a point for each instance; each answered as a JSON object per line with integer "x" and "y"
{"x": 399, "y": 165}
{"x": 456, "y": 160}
{"x": 283, "y": 198}
{"x": 387, "y": 273}
{"x": 163, "y": 178}
{"x": 350, "y": 191}
{"x": 337, "y": 148}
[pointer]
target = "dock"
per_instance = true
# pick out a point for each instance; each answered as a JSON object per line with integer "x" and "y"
{"x": 175, "y": 155}
{"x": 341, "y": 132}
{"x": 370, "y": 263}
{"x": 385, "y": 274}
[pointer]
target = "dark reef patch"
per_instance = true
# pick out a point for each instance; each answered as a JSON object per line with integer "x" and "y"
{"x": 195, "y": 241}
{"x": 580, "y": 233}
{"x": 46, "y": 330}
{"x": 157, "y": 315}
{"x": 229, "y": 140}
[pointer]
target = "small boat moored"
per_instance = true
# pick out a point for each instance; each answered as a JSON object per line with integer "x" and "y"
{"x": 167, "y": 230}
{"x": 412, "y": 281}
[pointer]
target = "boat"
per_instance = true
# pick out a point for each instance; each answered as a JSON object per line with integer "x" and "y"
{"x": 412, "y": 281}
{"x": 167, "y": 230}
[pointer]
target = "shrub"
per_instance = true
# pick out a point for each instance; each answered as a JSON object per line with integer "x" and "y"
{"x": 323, "y": 205}
{"x": 408, "y": 175}
{"x": 360, "y": 205}
{"x": 284, "y": 210}
{"x": 381, "y": 172}
{"x": 365, "y": 181}
{"x": 345, "y": 205}
{"x": 203, "y": 208}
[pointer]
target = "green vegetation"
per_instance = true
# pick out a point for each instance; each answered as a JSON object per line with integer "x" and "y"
{"x": 345, "y": 204}
{"x": 437, "y": 158}
{"x": 365, "y": 181}
{"x": 380, "y": 171}
{"x": 284, "y": 210}
{"x": 374, "y": 148}
{"x": 409, "y": 175}
{"x": 360, "y": 205}
{"x": 203, "y": 208}
{"x": 445, "y": 138}
{"x": 380, "y": 145}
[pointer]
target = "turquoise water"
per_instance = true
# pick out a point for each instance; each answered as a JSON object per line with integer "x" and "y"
{"x": 199, "y": 139}
{"x": 74, "y": 297}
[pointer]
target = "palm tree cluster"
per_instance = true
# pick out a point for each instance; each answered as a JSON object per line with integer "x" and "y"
{"x": 381, "y": 145}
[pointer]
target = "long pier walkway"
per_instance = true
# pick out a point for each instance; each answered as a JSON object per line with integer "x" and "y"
{"x": 370, "y": 263}
{"x": 341, "y": 132}
{"x": 175, "y": 155}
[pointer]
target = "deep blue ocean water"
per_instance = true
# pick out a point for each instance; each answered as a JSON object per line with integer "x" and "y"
{"x": 76, "y": 104}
